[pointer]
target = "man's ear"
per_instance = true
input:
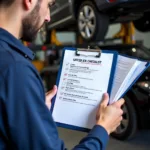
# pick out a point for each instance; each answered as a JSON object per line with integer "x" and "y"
{"x": 29, "y": 4}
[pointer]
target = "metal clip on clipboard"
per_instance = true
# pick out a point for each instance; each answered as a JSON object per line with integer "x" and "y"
{"x": 88, "y": 50}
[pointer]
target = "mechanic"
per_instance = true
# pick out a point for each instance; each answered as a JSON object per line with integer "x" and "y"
{"x": 26, "y": 122}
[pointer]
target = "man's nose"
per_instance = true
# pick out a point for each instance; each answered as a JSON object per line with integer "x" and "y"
{"x": 48, "y": 18}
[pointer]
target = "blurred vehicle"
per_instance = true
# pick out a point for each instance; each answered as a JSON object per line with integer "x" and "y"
{"x": 92, "y": 17}
{"x": 143, "y": 23}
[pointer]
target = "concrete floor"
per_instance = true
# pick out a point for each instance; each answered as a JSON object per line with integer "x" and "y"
{"x": 140, "y": 142}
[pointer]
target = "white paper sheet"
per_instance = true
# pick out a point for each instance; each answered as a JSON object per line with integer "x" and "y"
{"x": 127, "y": 71}
{"x": 82, "y": 83}
{"x": 124, "y": 66}
{"x": 139, "y": 69}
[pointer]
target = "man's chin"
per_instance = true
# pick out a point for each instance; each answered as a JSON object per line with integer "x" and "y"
{"x": 29, "y": 39}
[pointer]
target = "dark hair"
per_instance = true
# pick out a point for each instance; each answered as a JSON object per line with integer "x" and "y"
{"x": 6, "y": 2}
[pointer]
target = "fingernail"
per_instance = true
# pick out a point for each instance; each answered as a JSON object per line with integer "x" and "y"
{"x": 55, "y": 87}
{"x": 105, "y": 94}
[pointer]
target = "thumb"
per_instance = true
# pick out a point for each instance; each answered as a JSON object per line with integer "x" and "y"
{"x": 51, "y": 93}
{"x": 105, "y": 99}
{"x": 119, "y": 103}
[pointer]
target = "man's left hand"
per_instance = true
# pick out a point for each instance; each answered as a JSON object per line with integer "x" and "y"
{"x": 49, "y": 95}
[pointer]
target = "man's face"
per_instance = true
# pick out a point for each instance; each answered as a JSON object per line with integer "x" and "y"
{"x": 35, "y": 20}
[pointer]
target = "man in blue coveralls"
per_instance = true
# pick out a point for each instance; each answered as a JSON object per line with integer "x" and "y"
{"x": 25, "y": 120}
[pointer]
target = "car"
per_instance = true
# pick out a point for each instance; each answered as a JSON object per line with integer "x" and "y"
{"x": 137, "y": 100}
{"x": 92, "y": 17}
{"x": 143, "y": 24}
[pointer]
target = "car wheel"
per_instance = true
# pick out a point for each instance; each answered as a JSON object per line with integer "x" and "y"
{"x": 92, "y": 25}
{"x": 143, "y": 24}
{"x": 128, "y": 126}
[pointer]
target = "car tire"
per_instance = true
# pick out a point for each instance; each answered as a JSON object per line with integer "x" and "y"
{"x": 128, "y": 126}
{"x": 92, "y": 28}
{"x": 143, "y": 24}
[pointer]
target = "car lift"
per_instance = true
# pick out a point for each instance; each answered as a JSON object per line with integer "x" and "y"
{"x": 126, "y": 33}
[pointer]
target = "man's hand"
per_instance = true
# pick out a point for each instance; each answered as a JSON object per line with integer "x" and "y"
{"x": 110, "y": 116}
{"x": 49, "y": 96}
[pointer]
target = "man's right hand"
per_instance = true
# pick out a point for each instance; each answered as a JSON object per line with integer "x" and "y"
{"x": 109, "y": 116}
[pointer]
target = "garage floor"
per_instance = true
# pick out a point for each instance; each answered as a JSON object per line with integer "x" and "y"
{"x": 140, "y": 142}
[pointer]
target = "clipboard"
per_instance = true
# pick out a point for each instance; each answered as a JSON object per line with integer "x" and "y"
{"x": 77, "y": 54}
{"x": 88, "y": 50}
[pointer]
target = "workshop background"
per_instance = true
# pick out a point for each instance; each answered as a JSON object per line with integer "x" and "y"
{"x": 123, "y": 26}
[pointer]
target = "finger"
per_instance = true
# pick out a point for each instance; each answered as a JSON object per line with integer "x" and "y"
{"x": 48, "y": 92}
{"x": 54, "y": 90}
{"x": 105, "y": 99}
{"x": 48, "y": 104}
{"x": 51, "y": 93}
{"x": 118, "y": 122}
{"x": 54, "y": 87}
{"x": 121, "y": 112}
{"x": 119, "y": 103}
{"x": 118, "y": 125}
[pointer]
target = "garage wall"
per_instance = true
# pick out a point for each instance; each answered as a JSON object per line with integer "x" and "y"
{"x": 64, "y": 37}
{"x": 143, "y": 36}
{"x": 68, "y": 37}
